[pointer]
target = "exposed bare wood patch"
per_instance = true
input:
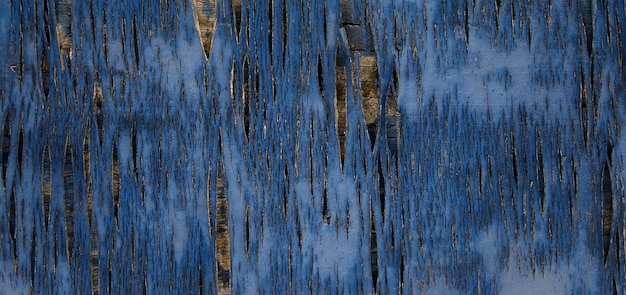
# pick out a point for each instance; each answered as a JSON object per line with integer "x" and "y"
{"x": 115, "y": 185}
{"x": 369, "y": 87}
{"x": 222, "y": 244}
{"x": 46, "y": 184}
{"x": 68, "y": 196}
{"x": 206, "y": 17}
{"x": 607, "y": 209}
{"x": 7, "y": 146}
{"x": 63, "y": 11}
{"x": 340, "y": 108}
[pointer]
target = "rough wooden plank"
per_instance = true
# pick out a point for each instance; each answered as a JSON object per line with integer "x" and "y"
{"x": 131, "y": 163}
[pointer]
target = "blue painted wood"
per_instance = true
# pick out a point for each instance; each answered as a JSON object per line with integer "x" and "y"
{"x": 507, "y": 159}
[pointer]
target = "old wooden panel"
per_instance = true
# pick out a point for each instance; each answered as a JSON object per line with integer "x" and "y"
{"x": 310, "y": 146}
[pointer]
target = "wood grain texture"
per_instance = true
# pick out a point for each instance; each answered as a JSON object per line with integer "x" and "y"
{"x": 297, "y": 147}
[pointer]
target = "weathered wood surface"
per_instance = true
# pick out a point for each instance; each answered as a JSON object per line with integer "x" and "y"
{"x": 214, "y": 146}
